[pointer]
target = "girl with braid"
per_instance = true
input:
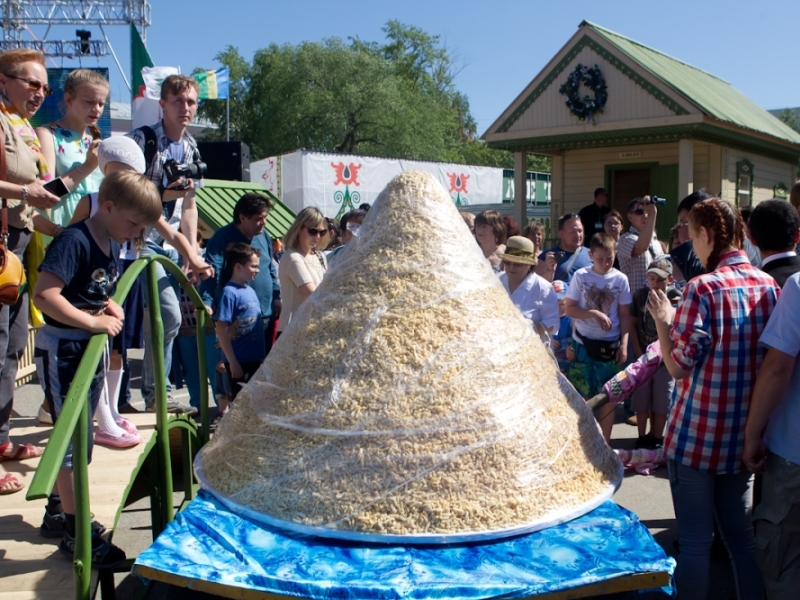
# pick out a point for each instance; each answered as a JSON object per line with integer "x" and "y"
{"x": 712, "y": 351}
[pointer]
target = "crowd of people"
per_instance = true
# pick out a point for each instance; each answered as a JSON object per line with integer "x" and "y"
{"x": 722, "y": 405}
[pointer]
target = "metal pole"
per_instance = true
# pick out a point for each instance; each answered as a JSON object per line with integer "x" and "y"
{"x": 82, "y": 559}
{"x": 201, "y": 361}
{"x": 228, "y": 112}
{"x": 116, "y": 60}
{"x": 160, "y": 380}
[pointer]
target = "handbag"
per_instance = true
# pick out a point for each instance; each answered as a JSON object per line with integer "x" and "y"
{"x": 600, "y": 350}
{"x": 12, "y": 274}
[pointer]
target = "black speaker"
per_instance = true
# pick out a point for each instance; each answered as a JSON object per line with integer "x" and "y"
{"x": 226, "y": 160}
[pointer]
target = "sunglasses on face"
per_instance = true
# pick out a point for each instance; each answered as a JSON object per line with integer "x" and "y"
{"x": 33, "y": 85}
{"x": 638, "y": 211}
{"x": 315, "y": 231}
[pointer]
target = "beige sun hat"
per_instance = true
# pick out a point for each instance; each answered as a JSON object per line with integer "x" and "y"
{"x": 520, "y": 250}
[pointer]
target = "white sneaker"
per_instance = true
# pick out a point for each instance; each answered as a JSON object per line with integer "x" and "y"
{"x": 44, "y": 416}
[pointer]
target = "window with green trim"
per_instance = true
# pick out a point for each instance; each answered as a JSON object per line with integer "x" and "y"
{"x": 744, "y": 183}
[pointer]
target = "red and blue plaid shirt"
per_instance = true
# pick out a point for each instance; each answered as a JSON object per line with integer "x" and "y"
{"x": 715, "y": 332}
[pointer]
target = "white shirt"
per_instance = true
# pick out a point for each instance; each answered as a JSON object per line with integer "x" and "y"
{"x": 771, "y": 257}
{"x": 536, "y": 300}
{"x": 605, "y": 293}
{"x": 782, "y": 435}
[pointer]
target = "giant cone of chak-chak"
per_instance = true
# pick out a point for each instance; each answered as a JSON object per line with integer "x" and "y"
{"x": 409, "y": 400}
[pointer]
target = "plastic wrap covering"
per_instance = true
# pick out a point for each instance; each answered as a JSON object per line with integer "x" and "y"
{"x": 409, "y": 397}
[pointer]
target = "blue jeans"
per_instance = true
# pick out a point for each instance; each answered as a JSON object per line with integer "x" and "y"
{"x": 168, "y": 295}
{"x": 700, "y": 499}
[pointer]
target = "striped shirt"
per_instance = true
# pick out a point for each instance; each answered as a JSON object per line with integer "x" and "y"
{"x": 165, "y": 149}
{"x": 635, "y": 267}
{"x": 715, "y": 335}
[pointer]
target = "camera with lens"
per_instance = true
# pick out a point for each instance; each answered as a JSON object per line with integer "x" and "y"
{"x": 658, "y": 201}
{"x": 559, "y": 256}
{"x": 174, "y": 170}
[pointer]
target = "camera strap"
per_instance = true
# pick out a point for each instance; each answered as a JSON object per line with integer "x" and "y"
{"x": 150, "y": 145}
{"x": 572, "y": 260}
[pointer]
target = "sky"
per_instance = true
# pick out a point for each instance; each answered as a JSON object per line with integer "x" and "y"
{"x": 498, "y": 46}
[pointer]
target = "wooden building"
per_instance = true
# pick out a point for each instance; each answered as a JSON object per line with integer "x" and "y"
{"x": 651, "y": 124}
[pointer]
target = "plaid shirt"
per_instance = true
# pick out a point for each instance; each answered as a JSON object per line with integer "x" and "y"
{"x": 155, "y": 170}
{"x": 635, "y": 267}
{"x": 716, "y": 332}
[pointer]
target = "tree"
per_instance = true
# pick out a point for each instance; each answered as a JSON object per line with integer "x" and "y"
{"x": 789, "y": 116}
{"x": 396, "y": 99}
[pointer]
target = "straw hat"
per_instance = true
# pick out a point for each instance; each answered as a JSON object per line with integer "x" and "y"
{"x": 520, "y": 250}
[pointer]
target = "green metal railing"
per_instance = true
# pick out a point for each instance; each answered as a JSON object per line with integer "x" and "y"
{"x": 73, "y": 421}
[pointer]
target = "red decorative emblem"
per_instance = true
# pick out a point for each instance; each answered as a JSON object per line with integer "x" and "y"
{"x": 346, "y": 174}
{"x": 458, "y": 182}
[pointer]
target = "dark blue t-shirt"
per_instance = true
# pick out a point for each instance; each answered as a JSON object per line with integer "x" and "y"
{"x": 90, "y": 275}
{"x": 239, "y": 306}
{"x": 581, "y": 261}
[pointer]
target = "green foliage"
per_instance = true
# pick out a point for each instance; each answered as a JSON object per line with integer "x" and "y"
{"x": 789, "y": 116}
{"x": 395, "y": 99}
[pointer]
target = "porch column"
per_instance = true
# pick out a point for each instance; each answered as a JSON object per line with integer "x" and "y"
{"x": 521, "y": 188}
{"x": 557, "y": 208}
{"x": 685, "y": 169}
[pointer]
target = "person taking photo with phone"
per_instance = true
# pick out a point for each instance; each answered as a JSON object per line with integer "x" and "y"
{"x": 69, "y": 145}
{"x": 23, "y": 88}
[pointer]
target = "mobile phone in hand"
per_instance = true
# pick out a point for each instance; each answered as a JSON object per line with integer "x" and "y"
{"x": 56, "y": 187}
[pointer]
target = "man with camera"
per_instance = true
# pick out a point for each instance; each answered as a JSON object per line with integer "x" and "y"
{"x": 561, "y": 262}
{"x": 638, "y": 247}
{"x": 172, "y": 164}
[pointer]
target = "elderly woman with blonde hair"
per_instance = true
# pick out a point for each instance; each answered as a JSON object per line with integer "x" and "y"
{"x": 23, "y": 85}
{"x": 302, "y": 264}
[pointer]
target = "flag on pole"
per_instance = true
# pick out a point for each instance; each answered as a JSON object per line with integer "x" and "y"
{"x": 213, "y": 84}
{"x": 146, "y": 83}
{"x": 140, "y": 58}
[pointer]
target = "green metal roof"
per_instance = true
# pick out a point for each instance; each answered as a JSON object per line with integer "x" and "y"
{"x": 216, "y": 199}
{"x": 712, "y": 95}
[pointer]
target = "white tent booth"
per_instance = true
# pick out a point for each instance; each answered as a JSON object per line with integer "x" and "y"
{"x": 337, "y": 183}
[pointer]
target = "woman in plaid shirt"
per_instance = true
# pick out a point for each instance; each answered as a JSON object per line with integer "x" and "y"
{"x": 712, "y": 351}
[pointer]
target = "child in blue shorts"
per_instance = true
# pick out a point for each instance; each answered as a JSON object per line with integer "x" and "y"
{"x": 598, "y": 300}
{"x": 240, "y": 328}
{"x": 77, "y": 278}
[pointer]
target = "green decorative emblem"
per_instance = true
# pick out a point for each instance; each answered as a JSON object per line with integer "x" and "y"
{"x": 586, "y": 107}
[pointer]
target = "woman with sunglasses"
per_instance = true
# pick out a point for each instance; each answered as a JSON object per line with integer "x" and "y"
{"x": 23, "y": 84}
{"x": 302, "y": 264}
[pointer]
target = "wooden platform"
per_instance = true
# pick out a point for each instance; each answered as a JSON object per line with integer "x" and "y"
{"x": 30, "y": 565}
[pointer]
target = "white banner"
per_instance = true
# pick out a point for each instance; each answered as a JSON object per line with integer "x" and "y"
{"x": 146, "y": 110}
{"x": 337, "y": 183}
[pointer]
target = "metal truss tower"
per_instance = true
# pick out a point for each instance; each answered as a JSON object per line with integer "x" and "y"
{"x": 18, "y": 15}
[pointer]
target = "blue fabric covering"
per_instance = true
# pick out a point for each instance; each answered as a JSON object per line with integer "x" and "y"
{"x": 207, "y": 542}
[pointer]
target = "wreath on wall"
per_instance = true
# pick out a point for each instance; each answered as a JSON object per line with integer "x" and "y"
{"x": 587, "y": 106}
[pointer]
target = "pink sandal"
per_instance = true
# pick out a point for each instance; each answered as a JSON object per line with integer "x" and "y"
{"x": 22, "y": 451}
{"x": 127, "y": 426}
{"x": 9, "y": 484}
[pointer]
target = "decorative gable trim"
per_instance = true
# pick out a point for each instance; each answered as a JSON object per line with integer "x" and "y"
{"x": 551, "y": 77}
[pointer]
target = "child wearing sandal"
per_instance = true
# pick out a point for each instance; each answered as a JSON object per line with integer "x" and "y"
{"x": 77, "y": 278}
{"x": 240, "y": 328}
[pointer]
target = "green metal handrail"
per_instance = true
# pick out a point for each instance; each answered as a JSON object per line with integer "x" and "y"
{"x": 74, "y": 418}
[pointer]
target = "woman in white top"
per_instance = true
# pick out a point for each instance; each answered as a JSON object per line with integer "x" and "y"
{"x": 531, "y": 294}
{"x": 302, "y": 264}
